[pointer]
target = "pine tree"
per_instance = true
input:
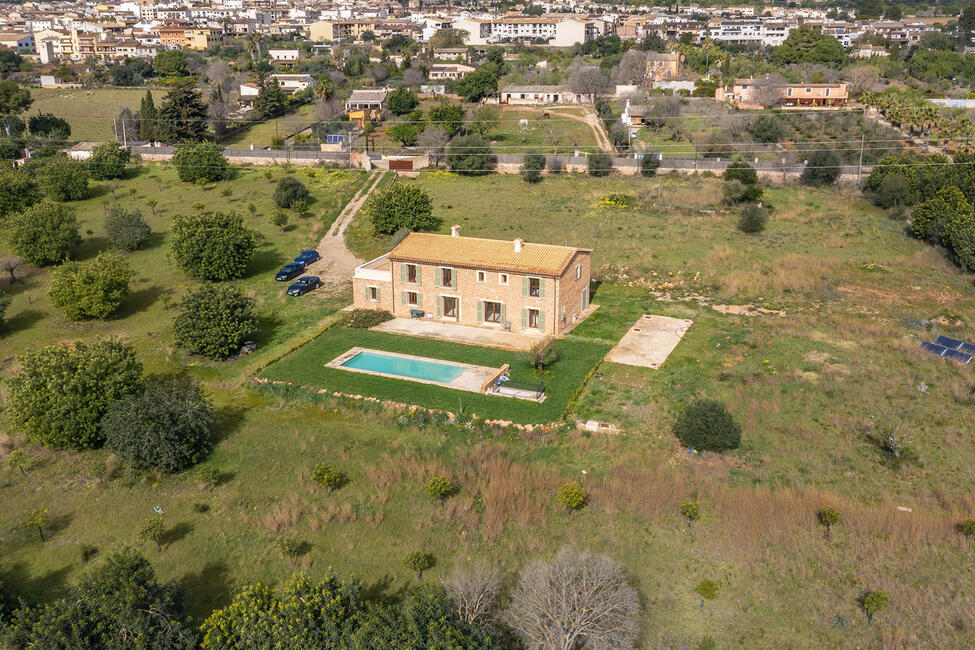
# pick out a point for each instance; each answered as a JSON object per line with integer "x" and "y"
{"x": 147, "y": 118}
{"x": 271, "y": 100}
{"x": 183, "y": 115}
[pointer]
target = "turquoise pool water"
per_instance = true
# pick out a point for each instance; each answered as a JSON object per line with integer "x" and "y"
{"x": 389, "y": 364}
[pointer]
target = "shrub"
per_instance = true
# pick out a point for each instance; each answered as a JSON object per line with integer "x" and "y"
{"x": 572, "y": 496}
{"x": 649, "y": 164}
{"x": 363, "y": 319}
{"x": 18, "y": 191}
{"x": 600, "y": 164}
{"x": 470, "y": 155}
{"x": 419, "y": 562}
{"x": 959, "y": 237}
{"x": 708, "y": 426}
{"x": 166, "y": 427}
{"x": 532, "y": 166}
{"x": 401, "y": 101}
{"x": 966, "y": 527}
{"x": 108, "y": 160}
{"x": 400, "y": 206}
{"x": 543, "y": 353}
{"x": 63, "y": 179}
{"x": 827, "y": 518}
{"x": 741, "y": 171}
{"x": 893, "y": 192}
{"x": 214, "y": 321}
{"x": 43, "y": 234}
{"x": 707, "y": 589}
{"x": 873, "y": 602}
{"x": 752, "y": 218}
{"x": 289, "y": 191}
{"x": 690, "y": 510}
{"x": 92, "y": 289}
{"x": 61, "y": 393}
{"x": 152, "y": 531}
{"x": 196, "y": 162}
{"x": 930, "y": 218}
{"x": 733, "y": 191}
{"x": 126, "y": 229}
{"x": 212, "y": 245}
{"x": 768, "y": 129}
{"x": 822, "y": 168}
{"x": 327, "y": 477}
{"x": 439, "y": 488}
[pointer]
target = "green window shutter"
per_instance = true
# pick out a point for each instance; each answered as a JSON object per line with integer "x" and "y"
{"x": 419, "y": 274}
{"x": 405, "y": 299}
{"x": 419, "y": 301}
{"x": 480, "y": 311}
{"x": 524, "y": 287}
{"x": 524, "y": 318}
{"x": 439, "y": 306}
{"x": 402, "y": 272}
{"x": 585, "y": 298}
{"x": 437, "y": 276}
{"x": 502, "y": 314}
{"x": 378, "y": 295}
{"x": 541, "y": 287}
{"x": 453, "y": 279}
{"x": 367, "y": 293}
{"x": 541, "y": 319}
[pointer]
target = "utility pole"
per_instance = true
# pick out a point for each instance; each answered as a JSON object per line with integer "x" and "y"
{"x": 125, "y": 142}
{"x": 860, "y": 164}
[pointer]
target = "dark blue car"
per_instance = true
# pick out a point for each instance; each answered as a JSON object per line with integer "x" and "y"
{"x": 307, "y": 257}
{"x": 301, "y": 286}
{"x": 289, "y": 271}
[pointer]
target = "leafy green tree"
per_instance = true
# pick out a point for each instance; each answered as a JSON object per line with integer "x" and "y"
{"x": 108, "y": 160}
{"x": 484, "y": 121}
{"x": 118, "y": 605}
{"x": 532, "y": 167}
{"x": 767, "y": 128}
{"x": 477, "y": 85}
{"x": 822, "y": 168}
{"x": 649, "y": 164}
{"x": 91, "y": 289}
{"x": 892, "y": 192}
{"x": 599, "y": 164}
{"x": 17, "y": 458}
{"x": 35, "y": 520}
{"x": 752, "y": 219}
{"x": 691, "y": 511}
{"x": 61, "y": 393}
{"x": 707, "y": 589}
{"x": 152, "y": 531}
{"x": 406, "y": 133}
{"x": 440, "y": 488}
{"x": 827, "y": 518}
{"x": 166, "y": 427}
{"x": 49, "y": 127}
{"x": 18, "y": 190}
{"x": 470, "y": 155}
{"x": 327, "y": 477}
{"x": 214, "y": 321}
{"x": 289, "y": 191}
{"x": 807, "y": 44}
{"x": 63, "y": 179}
{"x": 148, "y": 119}
{"x": 929, "y": 218}
{"x": 741, "y": 171}
{"x": 873, "y": 602}
{"x": 707, "y": 425}
{"x": 9, "y": 62}
{"x": 14, "y": 100}
{"x": 572, "y": 496}
{"x": 44, "y": 233}
{"x": 402, "y": 101}
{"x": 447, "y": 38}
{"x": 183, "y": 114}
{"x": 212, "y": 245}
{"x": 419, "y": 562}
{"x": 450, "y": 117}
{"x": 126, "y": 229}
{"x": 400, "y": 206}
{"x": 270, "y": 100}
{"x": 204, "y": 161}
{"x": 171, "y": 63}
{"x": 959, "y": 235}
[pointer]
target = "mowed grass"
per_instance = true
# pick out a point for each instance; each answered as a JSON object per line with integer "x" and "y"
{"x": 144, "y": 320}
{"x": 262, "y": 133}
{"x": 90, "y": 111}
{"x": 562, "y": 379}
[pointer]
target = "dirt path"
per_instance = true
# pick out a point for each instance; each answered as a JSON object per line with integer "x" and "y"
{"x": 602, "y": 139}
{"x": 338, "y": 262}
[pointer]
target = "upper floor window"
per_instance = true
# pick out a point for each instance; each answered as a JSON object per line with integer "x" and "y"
{"x": 808, "y": 90}
{"x": 447, "y": 277}
{"x": 578, "y": 271}
{"x": 534, "y": 287}
{"x": 411, "y": 274}
{"x": 481, "y": 276}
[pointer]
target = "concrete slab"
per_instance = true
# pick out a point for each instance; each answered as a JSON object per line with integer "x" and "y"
{"x": 650, "y": 341}
{"x": 429, "y": 329}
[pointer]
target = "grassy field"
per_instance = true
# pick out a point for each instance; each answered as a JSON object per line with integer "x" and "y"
{"x": 541, "y": 131}
{"x": 824, "y": 360}
{"x": 90, "y": 111}
{"x": 261, "y": 134}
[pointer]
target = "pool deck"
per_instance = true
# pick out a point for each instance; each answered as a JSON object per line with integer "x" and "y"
{"x": 484, "y": 336}
{"x": 472, "y": 380}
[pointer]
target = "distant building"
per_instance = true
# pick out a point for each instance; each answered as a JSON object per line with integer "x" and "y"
{"x": 869, "y": 51}
{"x": 366, "y": 106}
{"x": 449, "y": 71}
{"x": 760, "y": 93}
{"x": 664, "y": 67}
{"x": 451, "y": 53}
{"x": 537, "y": 95}
{"x": 285, "y": 57}
{"x": 18, "y": 41}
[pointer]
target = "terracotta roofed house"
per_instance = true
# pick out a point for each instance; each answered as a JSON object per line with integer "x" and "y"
{"x": 509, "y": 285}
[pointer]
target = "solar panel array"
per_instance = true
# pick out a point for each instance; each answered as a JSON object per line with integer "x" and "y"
{"x": 949, "y": 348}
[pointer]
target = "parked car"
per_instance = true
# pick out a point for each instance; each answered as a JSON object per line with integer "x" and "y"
{"x": 301, "y": 286}
{"x": 289, "y": 271}
{"x": 307, "y": 257}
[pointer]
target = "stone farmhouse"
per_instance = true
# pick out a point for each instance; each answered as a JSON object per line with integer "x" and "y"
{"x": 507, "y": 285}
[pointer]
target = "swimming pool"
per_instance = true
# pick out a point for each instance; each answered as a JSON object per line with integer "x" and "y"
{"x": 401, "y": 366}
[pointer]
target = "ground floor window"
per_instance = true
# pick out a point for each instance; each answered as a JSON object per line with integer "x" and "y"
{"x": 533, "y": 318}
{"x": 449, "y": 307}
{"x": 492, "y": 312}
{"x": 372, "y": 293}
{"x": 411, "y": 298}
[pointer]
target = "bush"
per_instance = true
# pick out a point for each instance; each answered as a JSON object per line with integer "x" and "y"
{"x": 18, "y": 191}
{"x": 439, "y": 488}
{"x": 214, "y": 321}
{"x": 470, "y": 155}
{"x": 929, "y": 218}
{"x": 752, "y": 218}
{"x": 959, "y": 237}
{"x": 200, "y": 162}
{"x": 108, "y": 160}
{"x": 212, "y": 245}
{"x": 63, "y": 179}
{"x": 400, "y": 206}
{"x": 61, "y": 393}
{"x": 126, "y": 230}
{"x": 289, "y": 191}
{"x": 572, "y": 496}
{"x": 43, "y": 234}
{"x": 401, "y": 101}
{"x": 600, "y": 164}
{"x": 363, "y": 319}
{"x": 822, "y": 168}
{"x": 327, "y": 477}
{"x": 707, "y": 425}
{"x": 892, "y": 192}
{"x": 733, "y": 191}
{"x": 532, "y": 166}
{"x": 166, "y": 427}
{"x": 91, "y": 289}
{"x": 649, "y": 164}
{"x": 742, "y": 172}
{"x": 419, "y": 562}
{"x": 768, "y": 129}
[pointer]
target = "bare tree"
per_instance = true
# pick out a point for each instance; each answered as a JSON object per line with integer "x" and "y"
{"x": 10, "y": 265}
{"x": 767, "y": 90}
{"x": 378, "y": 72}
{"x": 588, "y": 80}
{"x": 327, "y": 111}
{"x": 221, "y": 76}
{"x": 864, "y": 78}
{"x": 576, "y": 599}
{"x": 632, "y": 68}
{"x": 474, "y": 592}
{"x": 413, "y": 77}
{"x": 433, "y": 142}
{"x": 663, "y": 110}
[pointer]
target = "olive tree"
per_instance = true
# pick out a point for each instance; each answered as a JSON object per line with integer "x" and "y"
{"x": 43, "y": 234}
{"x": 91, "y": 289}
{"x": 126, "y": 229}
{"x": 400, "y": 206}
{"x": 212, "y": 245}
{"x": 214, "y": 321}
{"x": 200, "y": 162}
{"x": 108, "y": 160}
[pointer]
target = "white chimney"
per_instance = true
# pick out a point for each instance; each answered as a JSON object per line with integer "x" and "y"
{"x": 455, "y": 231}
{"x": 518, "y": 244}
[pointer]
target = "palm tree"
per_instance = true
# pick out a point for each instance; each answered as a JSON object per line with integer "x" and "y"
{"x": 324, "y": 88}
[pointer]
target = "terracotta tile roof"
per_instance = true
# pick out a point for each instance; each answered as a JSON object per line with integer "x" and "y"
{"x": 493, "y": 254}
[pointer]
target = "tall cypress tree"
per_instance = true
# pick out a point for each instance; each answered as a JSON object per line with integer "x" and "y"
{"x": 147, "y": 118}
{"x": 183, "y": 115}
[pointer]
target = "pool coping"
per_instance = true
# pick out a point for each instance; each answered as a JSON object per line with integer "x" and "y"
{"x": 471, "y": 380}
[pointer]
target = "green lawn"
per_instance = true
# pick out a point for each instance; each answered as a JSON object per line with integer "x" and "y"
{"x": 90, "y": 111}
{"x": 562, "y": 380}
{"x": 261, "y": 134}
